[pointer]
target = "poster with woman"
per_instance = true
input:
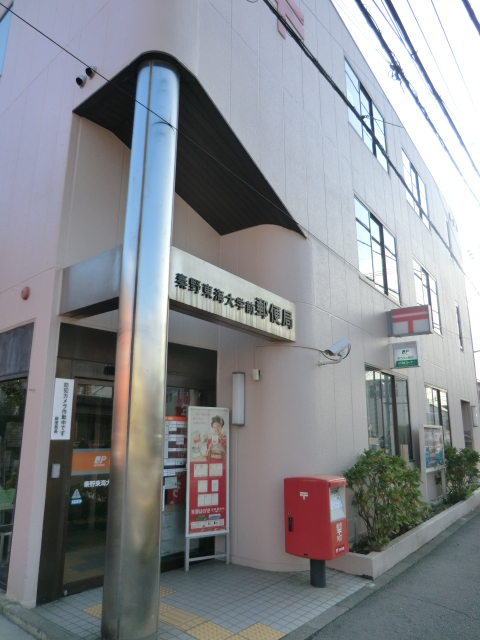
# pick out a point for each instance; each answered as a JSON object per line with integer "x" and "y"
{"x": 207, "y": 471}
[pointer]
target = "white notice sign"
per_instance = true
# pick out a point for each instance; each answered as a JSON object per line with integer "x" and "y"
{"x": 62, "y": 409}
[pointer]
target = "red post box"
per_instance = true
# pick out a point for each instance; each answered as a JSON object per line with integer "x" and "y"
{"x": 316, "y": 521}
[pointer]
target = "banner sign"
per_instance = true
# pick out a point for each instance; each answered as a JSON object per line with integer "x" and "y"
{"x": 409, "y": 321}
{"x": 62, "y": 409}
{"x": 87, "y": 461}
{"x": 207, "y": 471}
{"x": 203, "y": 290}
{"x": 405, "y": 354}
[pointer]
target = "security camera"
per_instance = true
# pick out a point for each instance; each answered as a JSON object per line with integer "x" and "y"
{"x": 337, "y": 348}
{"x": 81, "y": 80}
{"x": 336, "y": 353}
{"x": 91, "y": 71}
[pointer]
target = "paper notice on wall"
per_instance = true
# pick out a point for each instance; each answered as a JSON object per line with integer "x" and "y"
{"x": 208, "y": 455}
{"x": 62, "y": 409}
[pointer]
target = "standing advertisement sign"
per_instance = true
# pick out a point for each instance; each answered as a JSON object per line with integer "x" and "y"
{"x": 208, "y": 444}
{"x": 207, "y": 464}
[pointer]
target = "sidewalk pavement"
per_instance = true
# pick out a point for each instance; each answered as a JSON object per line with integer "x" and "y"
{"x": 430, "y": 595}
{"x": 10, "y": 631}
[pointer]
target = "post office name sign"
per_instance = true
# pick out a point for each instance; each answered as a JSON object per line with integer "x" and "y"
{"x": 203, "y": 290}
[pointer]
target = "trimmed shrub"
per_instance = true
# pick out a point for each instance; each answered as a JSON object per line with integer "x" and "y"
{"x": 387, "y": 495}
{"x": 461, "y": 472}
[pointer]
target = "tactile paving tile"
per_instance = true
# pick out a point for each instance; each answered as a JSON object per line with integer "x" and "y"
{"x": 260, "y": 632}
{"x": 209, "y": 631}
{"x": 95, "y": 611}
{"x": 178, "y": 618}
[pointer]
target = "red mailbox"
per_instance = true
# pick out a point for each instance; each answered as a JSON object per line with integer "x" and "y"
{"x": 316, "y": 519}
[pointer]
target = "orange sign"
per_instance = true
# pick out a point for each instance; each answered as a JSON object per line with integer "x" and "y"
{"x": 91, "y": 461}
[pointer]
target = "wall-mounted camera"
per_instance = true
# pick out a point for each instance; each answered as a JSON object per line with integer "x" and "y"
{"x": 81, "y": 80}
{"x": 91, "y": 71}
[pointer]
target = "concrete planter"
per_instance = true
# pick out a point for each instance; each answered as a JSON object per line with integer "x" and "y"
{"x": 378, "y": 562}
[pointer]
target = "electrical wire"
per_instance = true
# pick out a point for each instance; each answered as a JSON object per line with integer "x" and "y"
{"x": 343, "y": 7}
{"x": 472, "y": 15}
{"x": 399, "y": 74}
{"x": 454, "y": 57}
{"x": 433, "y": 58}
{"x": 435, "y": 93}
{"x": 337, "y": 90}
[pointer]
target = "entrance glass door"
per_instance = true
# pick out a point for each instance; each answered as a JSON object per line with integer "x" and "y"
{"x": 88, "y": 492}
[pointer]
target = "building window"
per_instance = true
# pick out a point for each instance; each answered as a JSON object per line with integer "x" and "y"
{"x": 387, "y": 414}
{"x": 377, "y": 253}
{"x": 437, "y": 411}
{"x": 4, "y": 27}
{"x": 13, "y": 395}
{"x": 372, "y": 117}
{"x": 426, "y": 292}
{"x": 417, "y": 187}
{"x": 459, "y": 325}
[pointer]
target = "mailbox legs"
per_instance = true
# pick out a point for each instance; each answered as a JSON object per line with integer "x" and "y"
{"x": 318, "y": 576}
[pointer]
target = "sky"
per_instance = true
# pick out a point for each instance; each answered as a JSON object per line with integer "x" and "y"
{"x": 448, "y": 46}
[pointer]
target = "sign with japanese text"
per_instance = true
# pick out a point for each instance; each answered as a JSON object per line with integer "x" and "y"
{"x": 409, "y": 321}
{"x": 62, "y": 409}
{"x": 203, "y": 290}
{"x": 207, "y": 471}
{"x": 90, "y": 461}
{"x": 405, "y": 354}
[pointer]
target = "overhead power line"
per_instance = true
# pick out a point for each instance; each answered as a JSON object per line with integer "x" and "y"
{"x": 472, "y": 15}
{"x": 400, "y": 75}
{"x": 424, "y": 73}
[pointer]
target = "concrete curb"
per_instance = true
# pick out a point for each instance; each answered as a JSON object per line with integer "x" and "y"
{"x": 377, "y": 563}
{"x": 311, "y": 628}
{"x": 31, "y": 622}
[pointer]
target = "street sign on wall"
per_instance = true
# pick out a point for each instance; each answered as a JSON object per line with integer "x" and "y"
{"x": 409, "y": 321}
{"x": 405, "y": 354}
{"x": 205, "y": 291}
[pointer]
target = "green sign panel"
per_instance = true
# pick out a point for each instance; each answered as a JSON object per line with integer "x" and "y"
{"x": 406, "y": 357}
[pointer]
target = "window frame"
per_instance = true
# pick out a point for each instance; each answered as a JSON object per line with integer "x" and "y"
{"x": 385, "y": 289}
{"x": 437, "y": 326}
{"x": 395, "y": 450}
{"x": 439, "y": 393}
{"x": 420, "y": 205}
{"x": 459, "y": 325}
{"x": 367, "y": 106}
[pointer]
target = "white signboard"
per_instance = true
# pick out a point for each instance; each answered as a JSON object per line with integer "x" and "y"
{"x": 405, "y": 354}
{"x": 62, "y": 409}
{"x": 207, "y": 471}
{"x": 409, "y": 321}
{"x": 200, "y": 289}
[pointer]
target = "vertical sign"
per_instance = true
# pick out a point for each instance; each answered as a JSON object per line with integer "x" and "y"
{"x": 62, "y": 409}
{"x": 207, "y": 469}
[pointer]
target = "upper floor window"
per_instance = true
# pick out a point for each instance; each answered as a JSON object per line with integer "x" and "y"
{"x": 417, "y": 187}
{"x": 459, "y": 325}
{"x": 426, "y": 292}
{"x": 372, "y": 117}
{"x": 377, "y": 253}
{"x": 4, "y": 27}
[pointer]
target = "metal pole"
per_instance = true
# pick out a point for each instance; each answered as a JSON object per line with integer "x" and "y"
{"x": 318, "y": 577}
{"x": 132, "y": 563}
